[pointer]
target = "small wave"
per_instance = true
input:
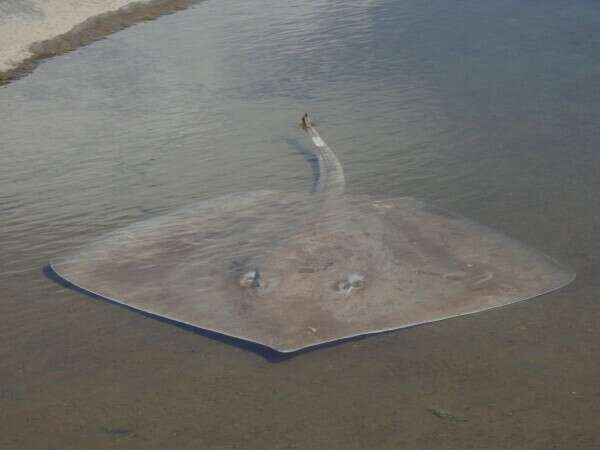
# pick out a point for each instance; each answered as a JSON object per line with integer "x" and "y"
{"x": 31, "y": 30}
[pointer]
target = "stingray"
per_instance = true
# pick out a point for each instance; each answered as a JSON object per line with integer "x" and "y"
{"x": 295, "y": 270}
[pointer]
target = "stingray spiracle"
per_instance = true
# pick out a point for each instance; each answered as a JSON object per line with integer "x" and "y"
{"x": 354, "y": 282}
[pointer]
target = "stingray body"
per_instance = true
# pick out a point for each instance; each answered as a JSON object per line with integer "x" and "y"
{"x": 290, "y": 271}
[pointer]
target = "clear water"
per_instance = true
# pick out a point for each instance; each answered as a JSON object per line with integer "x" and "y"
{"x": 486, "y": 108}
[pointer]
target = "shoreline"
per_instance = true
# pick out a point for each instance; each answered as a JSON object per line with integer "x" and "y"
{"x": 89, "y": 30}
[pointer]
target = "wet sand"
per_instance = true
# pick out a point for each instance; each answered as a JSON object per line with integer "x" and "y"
{"x": 150, "y": 119}
{"x": 51, "y": 28}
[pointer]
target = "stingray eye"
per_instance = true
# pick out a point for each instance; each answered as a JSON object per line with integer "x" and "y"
{"x": 251, "y": 279}
{"x": 353, "y": 282}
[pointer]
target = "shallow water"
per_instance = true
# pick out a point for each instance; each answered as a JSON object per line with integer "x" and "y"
{"x": 486, "y": 108}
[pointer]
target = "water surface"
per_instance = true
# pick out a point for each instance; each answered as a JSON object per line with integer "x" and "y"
{"x": 486, "y": 108}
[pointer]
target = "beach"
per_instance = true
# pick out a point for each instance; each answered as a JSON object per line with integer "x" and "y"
{"x": 31, "y": 31}
{"x": 487, "y": 109}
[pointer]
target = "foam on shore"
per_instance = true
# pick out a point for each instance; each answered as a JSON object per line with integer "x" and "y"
{"x": 35, "y": 29}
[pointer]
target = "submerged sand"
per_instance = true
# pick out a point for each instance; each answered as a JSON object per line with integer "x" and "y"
{"x": 43, "y": 28}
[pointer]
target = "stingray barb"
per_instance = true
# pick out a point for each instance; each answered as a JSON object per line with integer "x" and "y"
{"x": 294, "y": 270}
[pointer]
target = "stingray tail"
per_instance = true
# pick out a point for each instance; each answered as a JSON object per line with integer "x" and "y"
{"x": 331, "y": 173}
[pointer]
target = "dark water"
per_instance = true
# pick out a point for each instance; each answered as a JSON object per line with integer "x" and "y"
{"x": 486, "y": 108}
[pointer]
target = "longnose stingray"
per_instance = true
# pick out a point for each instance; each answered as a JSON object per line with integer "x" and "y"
{"x": 290, "y": 271}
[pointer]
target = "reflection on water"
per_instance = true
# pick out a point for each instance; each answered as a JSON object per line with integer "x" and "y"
{"x": 486, "y": 108}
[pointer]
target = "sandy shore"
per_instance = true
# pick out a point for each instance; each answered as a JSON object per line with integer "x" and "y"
{"x": 46, "y": 28}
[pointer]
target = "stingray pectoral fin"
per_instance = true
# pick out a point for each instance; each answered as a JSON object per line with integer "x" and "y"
{"x": 481, "y": 268}
{"x": 264, "y": 268}
{"x": 412, "y": 263}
